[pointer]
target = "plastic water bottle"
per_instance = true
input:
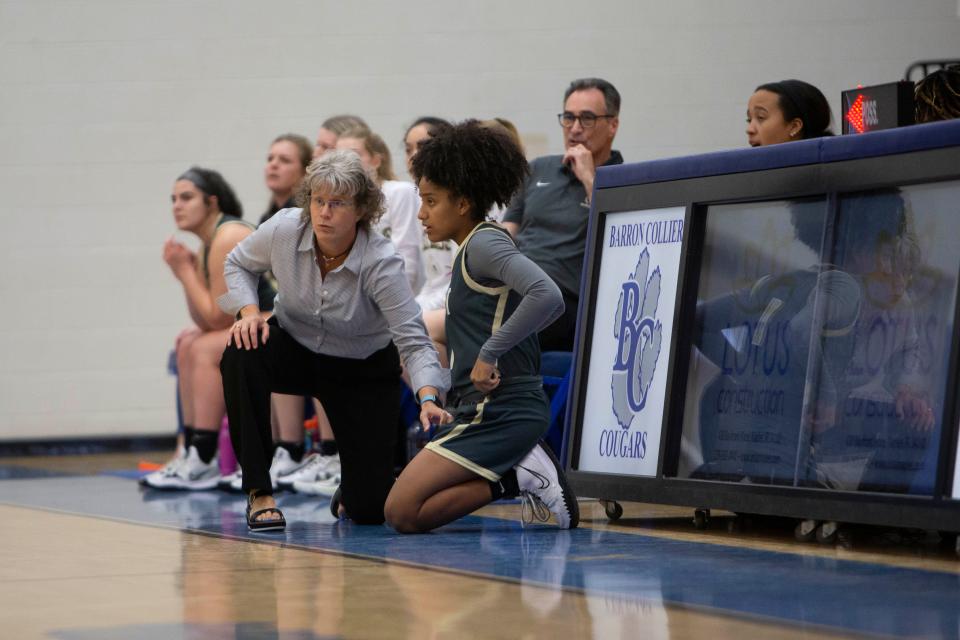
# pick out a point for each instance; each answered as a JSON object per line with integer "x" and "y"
{"x": 417, "y": 438}
{"x": 228, "y": 459}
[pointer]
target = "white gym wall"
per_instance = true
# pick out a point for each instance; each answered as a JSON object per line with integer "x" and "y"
{"x": 103, "y": 103}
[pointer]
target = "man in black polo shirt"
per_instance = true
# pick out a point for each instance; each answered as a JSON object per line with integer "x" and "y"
{"x": 548, "y": 217}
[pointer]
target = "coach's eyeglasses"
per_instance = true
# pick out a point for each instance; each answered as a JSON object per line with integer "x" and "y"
{"x": 335, "y": 205}
{"x": 587, "y": 120}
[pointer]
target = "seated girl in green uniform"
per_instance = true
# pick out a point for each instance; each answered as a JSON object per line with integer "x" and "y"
{"x": 488, "y": 444}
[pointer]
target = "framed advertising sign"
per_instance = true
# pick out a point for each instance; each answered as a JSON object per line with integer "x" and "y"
{"x": 630, "y": 341}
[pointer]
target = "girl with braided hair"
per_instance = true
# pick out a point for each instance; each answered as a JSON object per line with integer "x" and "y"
{"x": 487, "y": 443}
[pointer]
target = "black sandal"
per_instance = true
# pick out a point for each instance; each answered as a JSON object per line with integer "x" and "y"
{"x": 335, "y": 503}
{"x": 275, "y": 524}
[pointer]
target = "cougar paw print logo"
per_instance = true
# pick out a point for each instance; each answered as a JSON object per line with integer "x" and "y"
{"x": 638, "y": 334}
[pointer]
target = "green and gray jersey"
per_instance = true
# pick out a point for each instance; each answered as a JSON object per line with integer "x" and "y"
{"x": 497, "y": 302}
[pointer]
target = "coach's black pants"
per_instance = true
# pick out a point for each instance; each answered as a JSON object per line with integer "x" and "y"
{"x": 361, "y": 398}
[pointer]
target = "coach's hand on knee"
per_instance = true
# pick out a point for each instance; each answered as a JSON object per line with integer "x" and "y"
{"x": 246, "y": 332}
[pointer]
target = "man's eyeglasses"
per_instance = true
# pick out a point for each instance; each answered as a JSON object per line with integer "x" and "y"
{"x": 335, "y": 205}
{"x": 587, "y": 120}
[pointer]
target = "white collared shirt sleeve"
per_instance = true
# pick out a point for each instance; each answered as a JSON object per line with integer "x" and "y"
{"x": 401, "y": 225}
{"x": 386, "y": 285}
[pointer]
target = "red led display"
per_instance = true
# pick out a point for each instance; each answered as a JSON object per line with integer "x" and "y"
{"x": 882, "y": 106}
{"x": 854, "y": 114}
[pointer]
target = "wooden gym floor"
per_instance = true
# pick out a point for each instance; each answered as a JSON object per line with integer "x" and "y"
{"x": 86, "y": 553}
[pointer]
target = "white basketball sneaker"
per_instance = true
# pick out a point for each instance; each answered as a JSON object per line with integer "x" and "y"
{"x": 190, "y": 474}
{"x": 281, "y": 466}
{"x": 236, "y": 481}
{"x": 284, "y": 465}
{"x": 320, "y": 487}
{"x": 167, "y": 470}
{"x": 233, "y": 482}
{"x": 544, "y": 490}
{"x": 315, "y": 467}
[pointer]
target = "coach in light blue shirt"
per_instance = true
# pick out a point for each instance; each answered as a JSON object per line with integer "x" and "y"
{"x": 343, "y": 310}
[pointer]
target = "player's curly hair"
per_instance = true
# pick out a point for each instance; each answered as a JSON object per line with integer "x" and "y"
{"x": 937, "y": 96}
{"x": 483, "y": 165}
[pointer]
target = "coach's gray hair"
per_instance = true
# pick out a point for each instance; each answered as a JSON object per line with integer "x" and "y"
{"x": 342, "y": 173}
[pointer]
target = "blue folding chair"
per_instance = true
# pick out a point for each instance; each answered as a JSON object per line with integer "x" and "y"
{"x": 172, "y": 370}
{"x": 555, "y": 368}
